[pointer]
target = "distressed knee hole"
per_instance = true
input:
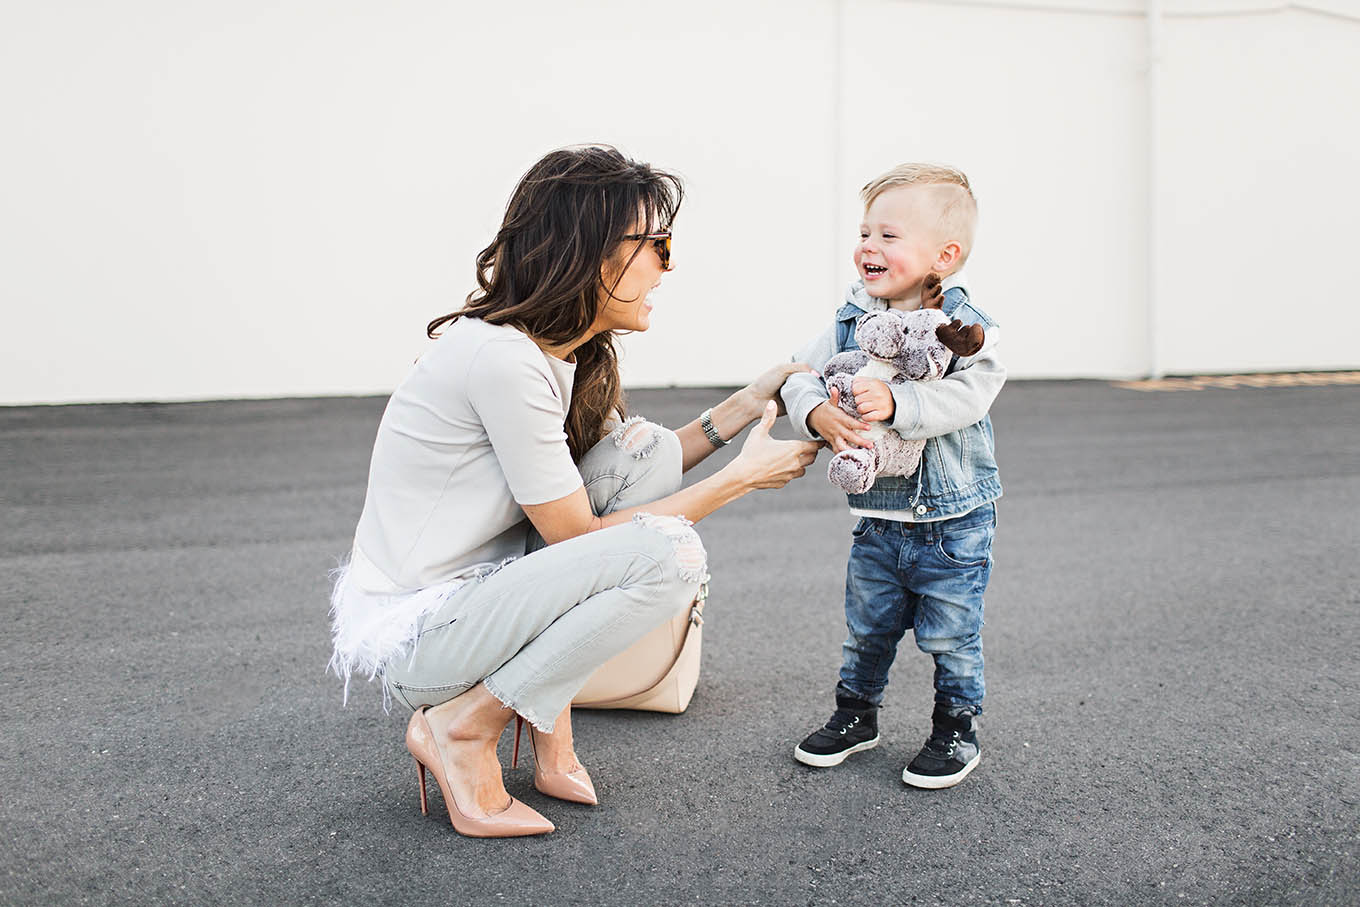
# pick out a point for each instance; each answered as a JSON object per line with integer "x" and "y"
{"x": 690, "y": 556}
{"x": 638, "y": 437}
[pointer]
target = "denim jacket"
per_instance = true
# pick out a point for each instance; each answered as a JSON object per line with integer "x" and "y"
{"x": 958, "y": 466}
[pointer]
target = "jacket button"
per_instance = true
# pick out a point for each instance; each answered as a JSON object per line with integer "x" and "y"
{"x": 920, "y": 509}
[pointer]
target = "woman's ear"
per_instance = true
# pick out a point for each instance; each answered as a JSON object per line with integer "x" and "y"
{"x": 948, "y": 257}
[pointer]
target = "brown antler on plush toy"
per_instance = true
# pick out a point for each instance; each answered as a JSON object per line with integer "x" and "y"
{"x": 894, "y": 346}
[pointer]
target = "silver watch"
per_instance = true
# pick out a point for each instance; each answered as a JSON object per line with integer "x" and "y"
{"x": 710, "y": 432}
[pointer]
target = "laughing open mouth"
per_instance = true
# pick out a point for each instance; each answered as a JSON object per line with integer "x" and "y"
{"x": 875, "y": 269}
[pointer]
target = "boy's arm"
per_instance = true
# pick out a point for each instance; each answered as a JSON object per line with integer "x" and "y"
{"x": 805, "y": 391}
{"x": 928, "y": 409}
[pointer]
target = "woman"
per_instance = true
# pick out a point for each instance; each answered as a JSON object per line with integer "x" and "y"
{"x": 517, "y": 412}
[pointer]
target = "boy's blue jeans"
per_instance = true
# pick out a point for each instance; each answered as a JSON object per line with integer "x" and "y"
{"x": 926, "y": 577}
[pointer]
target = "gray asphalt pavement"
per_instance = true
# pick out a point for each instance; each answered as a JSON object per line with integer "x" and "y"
{"x": 1174, "y": 686}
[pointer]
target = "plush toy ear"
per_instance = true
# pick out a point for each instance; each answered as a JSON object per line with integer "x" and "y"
{"x": 960, "y": 340}
{"x": 931, "y": 297}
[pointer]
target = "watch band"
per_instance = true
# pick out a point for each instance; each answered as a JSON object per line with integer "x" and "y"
{"x": 710, "y": 432}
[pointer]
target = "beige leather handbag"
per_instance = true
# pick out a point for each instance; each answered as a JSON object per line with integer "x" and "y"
{"x": 658, "y": 673}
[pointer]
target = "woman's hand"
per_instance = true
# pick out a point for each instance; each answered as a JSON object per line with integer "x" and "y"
{"x": 768, "y": 463}
{"x": 767, "y": 384}
{"x": 730, "y": 417}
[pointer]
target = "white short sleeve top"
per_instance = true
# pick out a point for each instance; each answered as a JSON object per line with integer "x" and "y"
{"x": 473, "y": 432}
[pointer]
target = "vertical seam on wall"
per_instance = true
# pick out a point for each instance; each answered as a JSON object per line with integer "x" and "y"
{"x": 1152, "y": 234}
{"x": 837, "y": 132}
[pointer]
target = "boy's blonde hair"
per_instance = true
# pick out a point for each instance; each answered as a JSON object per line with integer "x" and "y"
{"x": 951, "y": 196}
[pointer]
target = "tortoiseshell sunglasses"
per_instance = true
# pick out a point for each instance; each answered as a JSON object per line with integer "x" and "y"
{"x": 662, "y": 242}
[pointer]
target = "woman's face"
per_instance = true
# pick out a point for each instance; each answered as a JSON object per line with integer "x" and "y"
{"x": 628, "y": 309}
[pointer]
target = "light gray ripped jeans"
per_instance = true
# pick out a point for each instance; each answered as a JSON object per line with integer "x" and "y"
{"x": 536, "y": 629}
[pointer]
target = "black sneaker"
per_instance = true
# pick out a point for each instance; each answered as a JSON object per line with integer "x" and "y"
{"x": 853, "y": 728}
{"x": 951, "y": 752}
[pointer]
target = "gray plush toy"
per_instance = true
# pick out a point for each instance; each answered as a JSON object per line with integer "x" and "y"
{"x": 894, "y": 347}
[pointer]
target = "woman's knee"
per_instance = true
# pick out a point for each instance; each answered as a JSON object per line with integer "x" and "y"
{"x": 643, "y": 440}
{"x": 687, "y": 561}
{"x": 638, "y": 461}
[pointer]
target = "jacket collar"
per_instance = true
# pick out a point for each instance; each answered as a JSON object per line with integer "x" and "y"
{"x": 857, "y": 296}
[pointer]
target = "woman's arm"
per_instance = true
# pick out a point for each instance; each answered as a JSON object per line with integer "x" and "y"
{"x": 763, "y": 463}
{"x": 732, "y": 415}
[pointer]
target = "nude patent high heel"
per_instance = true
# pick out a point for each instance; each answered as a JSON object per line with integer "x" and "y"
{"x": 574, "y": 787}
{"x": 516, "y": 820}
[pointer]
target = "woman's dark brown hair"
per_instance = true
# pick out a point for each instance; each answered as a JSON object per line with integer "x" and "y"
{"x": 541, "y": 274}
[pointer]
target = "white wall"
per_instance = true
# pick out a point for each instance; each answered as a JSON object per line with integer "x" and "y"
{"x": 1044, "y": 111}
{"x": 266, "y": 199}
{"x": 1260, "y": 159}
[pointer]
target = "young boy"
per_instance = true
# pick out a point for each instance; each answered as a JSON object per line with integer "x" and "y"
{"x": 921, "y": 554}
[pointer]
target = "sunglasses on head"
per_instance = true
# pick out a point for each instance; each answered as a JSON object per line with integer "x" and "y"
{"x": 662, "y": 243}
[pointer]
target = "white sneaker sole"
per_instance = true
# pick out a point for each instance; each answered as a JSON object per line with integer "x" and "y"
{"x": 938, "y": 782}
{"x": 831, "y": 758}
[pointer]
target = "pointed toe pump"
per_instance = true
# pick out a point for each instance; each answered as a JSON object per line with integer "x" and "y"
{"x": 573, "y": 787}
{"x": 516, "y": 820}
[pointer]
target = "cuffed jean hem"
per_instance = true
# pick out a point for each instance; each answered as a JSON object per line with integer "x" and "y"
{"x": 945, "y": 699}
{"x": 876, "y": 698}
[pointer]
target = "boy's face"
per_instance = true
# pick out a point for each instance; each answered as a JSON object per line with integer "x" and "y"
{"x": 897, "y": 248}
